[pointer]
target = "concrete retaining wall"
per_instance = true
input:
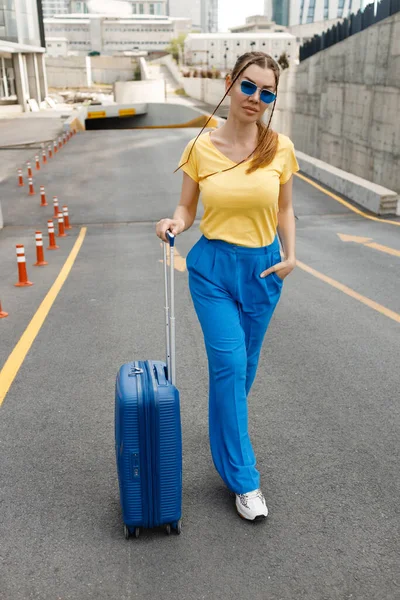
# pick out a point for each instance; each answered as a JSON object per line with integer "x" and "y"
{"x": 70, "y": 71}
{"x": 347, "y": 104}
{"x": 139, "y": 91}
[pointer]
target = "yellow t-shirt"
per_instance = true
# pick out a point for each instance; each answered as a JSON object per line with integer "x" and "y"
{"x": 238, "y": 208}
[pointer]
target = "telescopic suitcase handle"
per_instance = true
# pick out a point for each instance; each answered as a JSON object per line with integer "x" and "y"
{"x": 170, "y": 310}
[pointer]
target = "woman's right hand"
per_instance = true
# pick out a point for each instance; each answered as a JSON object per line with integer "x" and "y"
{"x": 175, "y": 226}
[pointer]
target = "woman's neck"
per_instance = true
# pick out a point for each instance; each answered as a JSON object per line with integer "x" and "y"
{"x": 237, "y": 133}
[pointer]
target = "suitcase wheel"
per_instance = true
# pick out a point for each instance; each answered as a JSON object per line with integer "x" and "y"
{"x": 177, "y": 525}
{"x": 127, "y": 533}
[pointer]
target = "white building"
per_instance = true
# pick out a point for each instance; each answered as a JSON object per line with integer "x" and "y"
{"x": 54, "y": 7}
{"x": 57, "y": 46}
{"x": 220, "y": 50}
{"x": 314, "y": 11}
{"x": 114, "y": 35}
{"x": 258, "y": 24}
{"x": 146, "y": 7}
{"x": 22, "y": 66}
{"x": 203, "y": 13}
{"x": 312, "y": 17}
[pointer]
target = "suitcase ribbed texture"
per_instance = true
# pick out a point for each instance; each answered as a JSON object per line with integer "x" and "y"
{"x": 170, "y": 448}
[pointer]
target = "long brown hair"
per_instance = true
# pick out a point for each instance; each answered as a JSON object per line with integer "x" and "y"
{"x": 267, "y": 139}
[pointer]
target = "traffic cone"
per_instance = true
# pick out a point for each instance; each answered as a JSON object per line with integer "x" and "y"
{"x": 22, "y": 274}
{"x": 55, "y": 204}
{"x": 52, "y": 239}
{"x": 61, "y": 230}
{"x": 31, "y": 188}
{"x": 20, "y": 178}
{"x": 50, "y": 151}
{"x": 67, "y": 224}
{"x": 40, "y": 262}
{"x": 37, "y": 163}
{"x": 44, "y": 157}
{"x": 42, "y": 196}
{"x": 59, "y": 143}
{"x": 29, "y": 169}
{"x": 2, "y": 312}
{"x": 55, "y": 147}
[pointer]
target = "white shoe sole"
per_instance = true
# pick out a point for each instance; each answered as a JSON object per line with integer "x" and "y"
{"x": 257, "y": 518}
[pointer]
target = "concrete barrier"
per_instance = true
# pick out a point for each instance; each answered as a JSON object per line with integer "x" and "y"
{"x": 77, "y": 120}
{"x": 142, "y": 116}
{"x": 371, "y": 196}
{"x": 151, "y": 90}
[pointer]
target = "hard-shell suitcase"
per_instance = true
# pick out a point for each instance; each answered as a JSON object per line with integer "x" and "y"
{"x": 148, "y": 441}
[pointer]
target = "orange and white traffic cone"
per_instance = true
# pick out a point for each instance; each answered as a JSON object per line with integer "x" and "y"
{"x": 44, "y": 157}
{"x": 42, "y": 196}
{"x": 52, "y": 239}
{"x": 61, "y": 230}
{"x": 2, "y": 312}
{"x": 55, "y": 204}
{"x": 22, "y": 274}
{"x": 55, "y": 147}
{"x": 29, "y": 169}
{"x": 59, "y": 143}
{"x": 40, "y": 262}
{"x": 67, "y": 224}
{"x": 37, "y": 163}
{"x": 31, "y": 188}
{"x": 50, "y": 151}
{"x": 20, "y": 178}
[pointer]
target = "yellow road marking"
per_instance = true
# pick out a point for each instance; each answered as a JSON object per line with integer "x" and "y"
{"x": 366, "y": 242}
{"x": 179, "y": 261}
{"x": 17, "y": 356}
{"x": 343, "y": 288}
{"x": 349, "y": 206}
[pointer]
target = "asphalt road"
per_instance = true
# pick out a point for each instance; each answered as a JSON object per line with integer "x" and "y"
{"x": 324, "y": 411}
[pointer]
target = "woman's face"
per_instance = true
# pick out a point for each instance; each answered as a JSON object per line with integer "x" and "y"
{"x": 250, "y": 108}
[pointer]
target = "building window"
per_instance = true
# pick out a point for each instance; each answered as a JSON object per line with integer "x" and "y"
{"x": 326, "y": 9}
{"x": 340, "y": 9}
{"x": 152, "y": 8}
{"x": 141, "y": 11}
{"x": 311, "y": 11}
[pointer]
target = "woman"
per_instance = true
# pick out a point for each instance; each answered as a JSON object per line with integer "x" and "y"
{"x": 244, "y": 172}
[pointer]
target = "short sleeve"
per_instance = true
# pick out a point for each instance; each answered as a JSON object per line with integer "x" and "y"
{"x": 191, "y": 167}
{"x": 291, "y": 165}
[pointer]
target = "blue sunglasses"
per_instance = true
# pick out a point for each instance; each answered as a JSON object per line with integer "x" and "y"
{"x": 249, "y": 88}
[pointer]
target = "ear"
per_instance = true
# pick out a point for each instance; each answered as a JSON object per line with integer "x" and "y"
{"x": 228, "y": 81}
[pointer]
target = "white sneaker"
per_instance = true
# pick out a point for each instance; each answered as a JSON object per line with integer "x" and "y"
{"x": 252, "y": 505}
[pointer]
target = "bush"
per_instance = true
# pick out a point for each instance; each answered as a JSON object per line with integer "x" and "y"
{"x": 283, "y": 61}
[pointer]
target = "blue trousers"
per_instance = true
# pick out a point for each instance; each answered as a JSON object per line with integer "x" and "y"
{"x": 234, "y": 306}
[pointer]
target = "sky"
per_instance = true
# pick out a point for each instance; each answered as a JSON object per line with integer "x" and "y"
{"x": 231, "y": 13}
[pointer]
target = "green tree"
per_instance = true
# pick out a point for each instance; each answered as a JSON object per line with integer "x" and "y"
{"x": 176, "y": 46}
{"x": 283, "y": 61}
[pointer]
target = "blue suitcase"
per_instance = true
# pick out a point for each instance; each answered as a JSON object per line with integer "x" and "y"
{"x": 148, "y": 439}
